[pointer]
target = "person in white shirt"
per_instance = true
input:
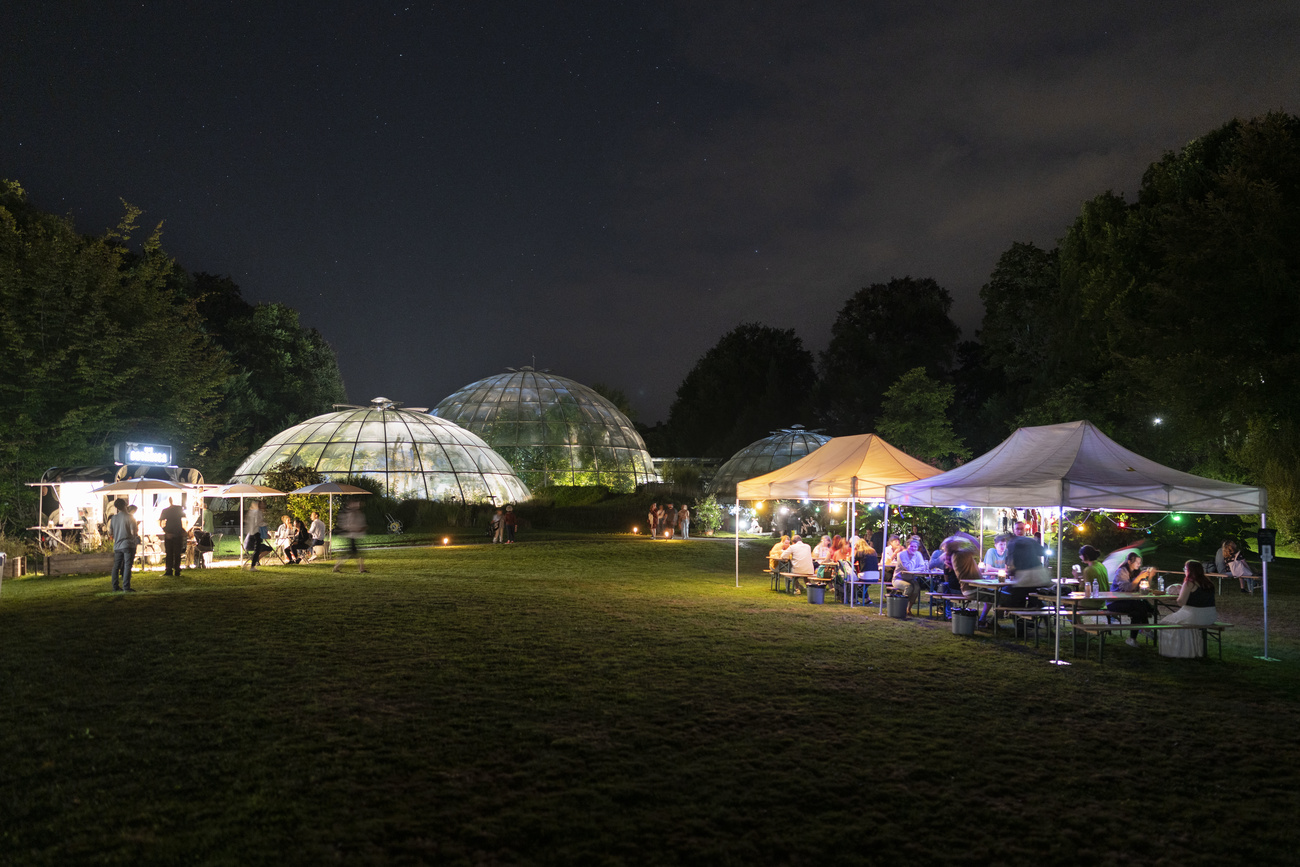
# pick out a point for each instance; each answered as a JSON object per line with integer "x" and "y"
{"x": 823, "y": 550}
{"x": 318, "y": 532}
{"x": 995, "y": 558}
{"x": 801, "y": 560}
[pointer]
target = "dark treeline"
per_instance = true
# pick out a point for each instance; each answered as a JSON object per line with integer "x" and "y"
{"x": 105, "y": 339}
{"x": 1172, "y": 322}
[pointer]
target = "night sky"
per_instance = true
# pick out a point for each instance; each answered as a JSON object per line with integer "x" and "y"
{"x": 445, "y": 189}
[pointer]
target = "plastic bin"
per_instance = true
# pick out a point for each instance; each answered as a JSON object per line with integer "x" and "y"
{"x": 898, "y": 606}
{"x": 963, "y": 621}
{"x": 816, "y": 594}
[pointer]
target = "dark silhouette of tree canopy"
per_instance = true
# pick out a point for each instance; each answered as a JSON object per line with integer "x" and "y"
{"x": 882, "y": 332}
{"x": 282, "y": 372}
{"x": 98, "y": 347}
{"x": 756, "y": 379}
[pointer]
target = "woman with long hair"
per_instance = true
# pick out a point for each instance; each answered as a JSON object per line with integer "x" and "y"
{"x": 1196, "y": 596}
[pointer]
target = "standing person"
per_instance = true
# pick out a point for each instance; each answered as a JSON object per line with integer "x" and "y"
{"x": 510, "y": 521}
{"x": 498, "y": 527}
{"x": 1197, "y": 598}
{"x": 1128, "y": 580}
{"x": 660, "y": 515}
{"x": 173, "y": 527}
{"x": 318, "y": 532}
{"x": 1025, "y": 567}
{"x": 670, "y": 521}
{"x": 652, "y": 520}
{"x": 684, "y": 521}
{"x": 254, "y": 523}
{"x": 353, "y": 524}
{"x": 123, "y": 529}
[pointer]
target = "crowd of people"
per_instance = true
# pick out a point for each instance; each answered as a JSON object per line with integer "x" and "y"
{"x": 1019, "y": 559}
{"x": 665, "y": 521}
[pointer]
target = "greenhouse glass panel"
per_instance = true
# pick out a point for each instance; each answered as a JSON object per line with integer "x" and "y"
{"x": 460, "y": 459}
{"x": 442, "y": 486}
{"x": 406, "y": 486}
{"x": 402, "y": 458}
{"x": 474, "y": 487}
{"x": 433, "y": 457}
{"x": 372, "y": 457}
{"x": 372, "y": 432}
{"x": 337, "y": 458}
{"x": 347, "y": 432}
{"x": 309, "y": 454}
{"x": 323, "y": 433}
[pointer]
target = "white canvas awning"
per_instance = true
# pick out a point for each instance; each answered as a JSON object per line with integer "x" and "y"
{"x": 1076, "y": 466}
{"x": 857, "y": 467}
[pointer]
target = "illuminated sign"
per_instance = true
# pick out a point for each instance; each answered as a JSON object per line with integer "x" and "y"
{"x": 144, "y": 453}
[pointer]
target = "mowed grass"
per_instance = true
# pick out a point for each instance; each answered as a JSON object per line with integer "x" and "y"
{"x": 597, "y": 700}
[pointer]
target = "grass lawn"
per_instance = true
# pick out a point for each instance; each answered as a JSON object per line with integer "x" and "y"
{"x": 605, "y": 700}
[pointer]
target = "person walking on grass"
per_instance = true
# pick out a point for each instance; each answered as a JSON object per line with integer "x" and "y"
{"x": 353, "y": 524}
{"x": 684, "y": 521}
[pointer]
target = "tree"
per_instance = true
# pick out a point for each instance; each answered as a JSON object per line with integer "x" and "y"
{"x": 617, "y": 397}
{"x": 883, "y": 331}
{"x": 282, "y": 372}
{"x": 288, "y": 477}
{"x": 914, "y": 419}
{"x": 98, "y": 347}
{"x": 753, "y": 381}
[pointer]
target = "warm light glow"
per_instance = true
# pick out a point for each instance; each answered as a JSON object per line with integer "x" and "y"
{"x": 636, "y": 531}
{"x": 758, "y": 507}
{"x": 785, "y": 510}
{"x": 446, "y": 540}
{"x": 668, "y": 534}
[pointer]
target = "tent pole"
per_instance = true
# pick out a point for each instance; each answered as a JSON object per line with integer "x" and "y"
{"x": 737, "y": 523}
{"x": 884, "y": 546}
{"x": 1263, "y": 524}
{"x": 1060, "y": 531}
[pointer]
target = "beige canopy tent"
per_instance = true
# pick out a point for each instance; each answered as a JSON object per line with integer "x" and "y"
{"x": 1076, "y": 466}
{"x": 846, "y": 468}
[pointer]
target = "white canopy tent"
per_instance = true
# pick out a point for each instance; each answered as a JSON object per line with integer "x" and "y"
{"x": 1076, "y": 466}
{"x": 845, "y": 468}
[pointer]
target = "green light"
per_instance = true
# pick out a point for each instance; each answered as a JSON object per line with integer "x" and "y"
{"x": 1178, "y": 519}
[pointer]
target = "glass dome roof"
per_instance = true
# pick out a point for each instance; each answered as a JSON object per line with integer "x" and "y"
{"x": 552, "y": 430}
{"x": 770, "y": 453}
{"x": 412, "y": 454}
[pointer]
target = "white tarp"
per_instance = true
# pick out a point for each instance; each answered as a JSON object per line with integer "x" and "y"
{"x": 857, "y": 467}
{"x": 1075, "y": 466}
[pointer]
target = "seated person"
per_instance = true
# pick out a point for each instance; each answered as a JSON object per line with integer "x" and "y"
{"x": 822, "y": 552}
{"x": 995, "y": 558}
{"x": 284, "y": 537}
{"x": 866, "y": 564}
{"x": 302, "y": 542}
{"x": 801, "y": 561}
{"x": 959, "y": 566}
{"x": 1196, "y": 596}
{"x": 202, "y": 545}
{"x": 1235, "y": 560}
{"x": 910, "y": 561}
{"x": 778, "y": 549}
{"x": 1093, "y": 569}
{"x": 937, "y": 561}
{"x": 1128, "y": 579}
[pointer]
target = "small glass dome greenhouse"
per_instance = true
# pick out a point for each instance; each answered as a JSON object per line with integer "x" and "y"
{"x": 552, "y": 430}
{"x": 783, "y": 447}
{"x": 412, "y": 454}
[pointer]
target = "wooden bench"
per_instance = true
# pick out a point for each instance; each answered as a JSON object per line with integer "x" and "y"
{"x": 934, "y": 596}
{"x": 778, "y": 575}
{"x": 1101, "y": 630}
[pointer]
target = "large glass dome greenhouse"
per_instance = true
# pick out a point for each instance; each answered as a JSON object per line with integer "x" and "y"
{"x": 411, "y": 453}
{"x": 783, "y": 447}
{"x": 552, "y": 430}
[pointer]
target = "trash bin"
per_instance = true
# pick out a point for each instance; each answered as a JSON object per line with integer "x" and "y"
{"x": 898, "y": 606}
{"x": 963, "y": 621}
{"x": 816, "y": 594}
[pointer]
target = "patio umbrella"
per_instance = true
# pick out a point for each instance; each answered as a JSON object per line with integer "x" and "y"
{"x": 139, "y": 485}
{"x": 238, "y": 491}
{"x": 331, "y": 490}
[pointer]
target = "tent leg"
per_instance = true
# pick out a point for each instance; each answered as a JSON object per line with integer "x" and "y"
{"x": 1263, "y": 524}
{"x": 1060, "y": 530}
